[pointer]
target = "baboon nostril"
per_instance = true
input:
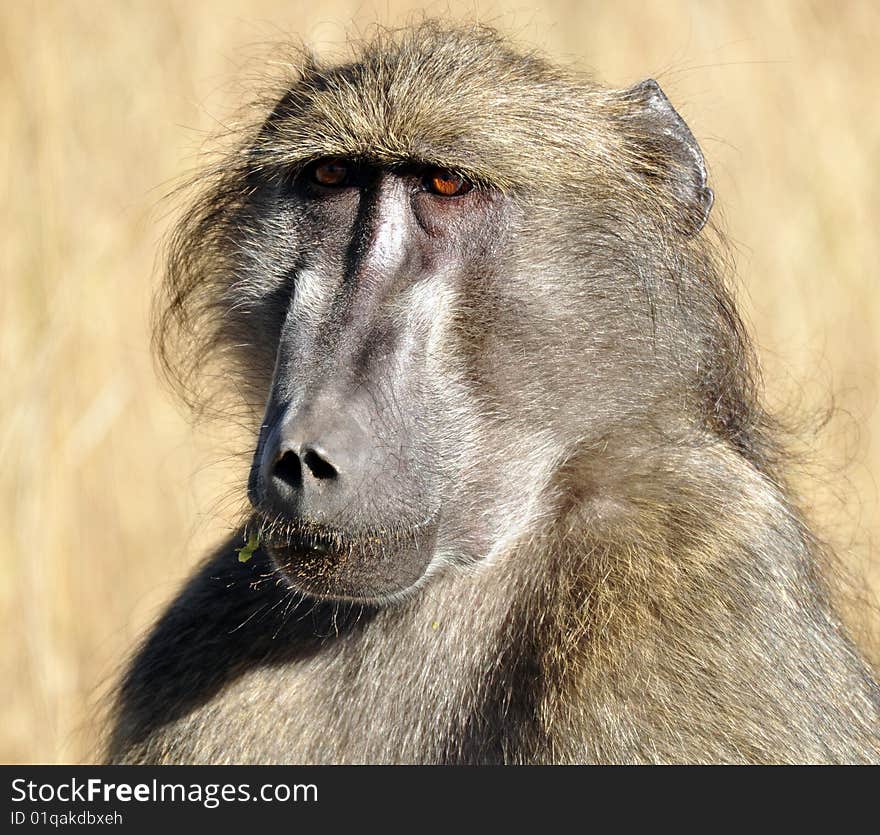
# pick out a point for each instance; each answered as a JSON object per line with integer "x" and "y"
{"x": 319, "y": 467}
{"x": 288, "y": 469}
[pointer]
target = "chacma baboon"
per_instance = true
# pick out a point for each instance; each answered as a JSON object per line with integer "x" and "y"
{"x": 516, "y": 496}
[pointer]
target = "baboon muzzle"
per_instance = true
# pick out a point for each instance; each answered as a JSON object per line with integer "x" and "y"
{"x": 312, "y": 470}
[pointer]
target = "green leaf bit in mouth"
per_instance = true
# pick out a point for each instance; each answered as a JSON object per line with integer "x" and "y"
{"x": 246, "y": 552}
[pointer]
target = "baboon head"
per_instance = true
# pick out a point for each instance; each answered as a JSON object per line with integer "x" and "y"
{"x": 458, "y": 283}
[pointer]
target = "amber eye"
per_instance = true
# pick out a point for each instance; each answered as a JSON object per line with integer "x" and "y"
{"x": 330, "y": 172}
{"x": 446, "y": 183}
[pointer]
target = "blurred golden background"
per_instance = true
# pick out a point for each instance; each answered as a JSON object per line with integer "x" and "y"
{"x": 109, "y": 496}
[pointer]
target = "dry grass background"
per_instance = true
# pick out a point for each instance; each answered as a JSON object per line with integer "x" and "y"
{"x": 108, "y": 497}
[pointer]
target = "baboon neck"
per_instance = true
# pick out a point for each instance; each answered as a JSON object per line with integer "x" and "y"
{"x": 680, "y": 600}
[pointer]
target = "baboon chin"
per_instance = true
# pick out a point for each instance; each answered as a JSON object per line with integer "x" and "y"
{"x": 366, "y": 566}
{"x": 514, "y": 497}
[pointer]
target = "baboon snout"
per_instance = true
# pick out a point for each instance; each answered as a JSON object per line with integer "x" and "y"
{"x": 311, "y": 465}
{"x": 342, "y": 514}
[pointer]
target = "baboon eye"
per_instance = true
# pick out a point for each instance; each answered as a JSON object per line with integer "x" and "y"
{"x": 330, "y": 172}
{"x": 446, "y": 183}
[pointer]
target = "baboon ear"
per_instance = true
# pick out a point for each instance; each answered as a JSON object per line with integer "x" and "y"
{"x": 666, "y": 153}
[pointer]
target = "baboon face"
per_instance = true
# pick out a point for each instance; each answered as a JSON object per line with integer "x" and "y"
{"x": 373, "y": 420}
{"x": 441, "y": 264}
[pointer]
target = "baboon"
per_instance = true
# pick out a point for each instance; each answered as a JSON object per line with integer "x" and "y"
{"x": 515, "y": 497}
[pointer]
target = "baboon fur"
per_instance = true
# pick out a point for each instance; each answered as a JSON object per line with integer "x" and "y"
{"x": 655, "y": 596}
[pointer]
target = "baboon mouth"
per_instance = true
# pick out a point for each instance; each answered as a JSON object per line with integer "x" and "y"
{"x": 366, "y": 564}
{"x": 308, "y": 540}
